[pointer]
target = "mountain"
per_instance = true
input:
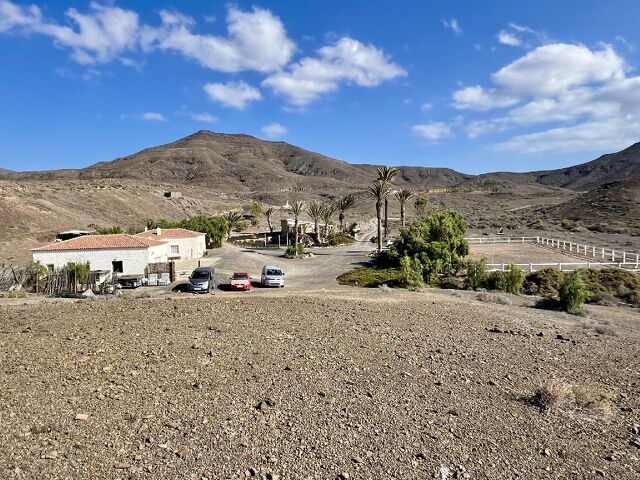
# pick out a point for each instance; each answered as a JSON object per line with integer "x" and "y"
{"x": 587, "y": 176}
{"x": 232, "y": 162}
{"x": 610, "y": 206}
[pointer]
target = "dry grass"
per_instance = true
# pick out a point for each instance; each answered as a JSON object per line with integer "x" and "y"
{"x": 562, "y": 396}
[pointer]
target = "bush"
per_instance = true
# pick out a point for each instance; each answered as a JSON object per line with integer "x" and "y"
{"x": 293, "y": 251}
{"x": 476, "y": 274}
{"x": 510, "y": 281}
{"x": 566, "y": 224}
{"x": 545, "y": 282}
{"x": 436, "y": 241}
{"x": 109, "y": 230}
{"x": 339, "y": 239}
{"x": 81, "y": 271}
{"x": 215, "y": 227}
{"x": 412, "y": 272}
{"x": 572, "y": 293}
{"x": 371, "y": 277}
{"x": 615, "y": 282}
{"x": 514, "y": 279}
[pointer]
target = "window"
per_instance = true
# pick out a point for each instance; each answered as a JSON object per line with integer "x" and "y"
{"x": 175, "y": 249}
{"x": 51, "y": 267}
{"x": 117, "y": 266}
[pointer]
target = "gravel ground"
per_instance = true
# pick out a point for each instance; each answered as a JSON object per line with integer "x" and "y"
{"x": 527, "y": 253}
{"x": 348, "y": 384}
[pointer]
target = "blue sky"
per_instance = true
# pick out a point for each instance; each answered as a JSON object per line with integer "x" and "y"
{"x": 474, "y": 86}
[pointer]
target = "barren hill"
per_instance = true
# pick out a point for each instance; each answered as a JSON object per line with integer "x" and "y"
{"x": 615, "y": 204}
{"x": 605, "y": 169}
{"x": 231, "y": 161}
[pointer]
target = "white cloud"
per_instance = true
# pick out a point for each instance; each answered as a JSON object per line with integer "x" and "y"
{"x": 453, "y": 25}
{"x": 552, "y": 69}
{"x": 256, "y": 40}
{"x": 274, "y": 130}
{"x": 581, "y": 99}
{"x": 347, "y": 60}
{"x": 203, "y": 117}
{"x": 508, "y": 38}
{"x": 154, "y": 117}
{"x": 426, "y": 106}
{"x": 481, "y": 99}
{"x": 608, "y": 135}
{"x": 232, "y": 94}
{"x": 95, "y": 37}
{"x": 433, "y": 131}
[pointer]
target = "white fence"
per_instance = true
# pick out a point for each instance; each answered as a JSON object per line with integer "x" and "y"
{"x": 603, "y": 257}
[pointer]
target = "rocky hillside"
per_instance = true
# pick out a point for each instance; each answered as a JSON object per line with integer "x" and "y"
{"x": 233, "y": 162}
{"x": 606, "y": 169}
{"x": 612, "y": 207}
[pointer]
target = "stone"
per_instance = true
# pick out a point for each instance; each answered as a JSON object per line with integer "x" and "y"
{"x": 82, "y": 417}
{"x": 122, "y": 466}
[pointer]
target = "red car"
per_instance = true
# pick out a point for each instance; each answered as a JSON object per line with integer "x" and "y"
{"x": 241, "y": 281}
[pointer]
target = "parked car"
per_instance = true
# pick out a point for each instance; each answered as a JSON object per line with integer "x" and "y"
{"x": 388, "y": 242}
{"x": 241, "y": 281}
{"x": 202, "y": 280}
{"x": 272, "y": 276}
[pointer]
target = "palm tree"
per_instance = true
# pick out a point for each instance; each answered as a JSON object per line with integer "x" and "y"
{"x": 314, "y": 210}
{"x": 343, "y": 204}
{"x": 232, "y": 218}
{"x": 297, "y": 209}
{"x": 403, "y": 197}
{"x": 388, "y": 175}
{"x": 380, "y": 191}
{"x": 328, "y": 211}
{"x": 268, "y": 212}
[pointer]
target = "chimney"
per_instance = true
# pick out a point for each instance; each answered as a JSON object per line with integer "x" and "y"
{"x": 158, "y": 231}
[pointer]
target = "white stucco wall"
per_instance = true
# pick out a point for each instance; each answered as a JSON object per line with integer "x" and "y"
{"x": 158, "y": 254}
{"x": 189, "y": 247}
{"x": 134, "y": 260}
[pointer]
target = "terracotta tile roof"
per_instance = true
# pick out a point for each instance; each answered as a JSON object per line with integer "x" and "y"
{"x": 100, "y": 242}
{"x": 166, "y": 233}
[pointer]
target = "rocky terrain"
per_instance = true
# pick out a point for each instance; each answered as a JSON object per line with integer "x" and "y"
{"x": 345, "y": 385}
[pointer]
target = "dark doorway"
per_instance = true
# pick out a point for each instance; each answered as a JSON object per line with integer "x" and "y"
{"x": 117, "y": 266}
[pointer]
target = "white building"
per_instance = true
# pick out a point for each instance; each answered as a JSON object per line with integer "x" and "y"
{"x": 182, "y": 244}
{"x": 126, "y": 254}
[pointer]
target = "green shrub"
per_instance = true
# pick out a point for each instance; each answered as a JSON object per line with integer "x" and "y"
{"x": 292, "y": 250}
{"x": 622, "y": 284}
{"x": 371, "y": 277}
{"x": 572, "y": 293}
{"x": 514, "y": 279}
{"x": 510, "y": 281}
{"x": 109, "y": 230}
{"x": 545, "y": 282}
{"x": 412, "y": 272}
{"x": 81, "y": 271}
{"x": 339, "y": 239}
{"x": 566, "y": 223}
{"x": 476, "y": 274}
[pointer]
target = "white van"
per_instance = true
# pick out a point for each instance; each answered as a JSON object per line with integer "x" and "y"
{"x": 272, "y": 276}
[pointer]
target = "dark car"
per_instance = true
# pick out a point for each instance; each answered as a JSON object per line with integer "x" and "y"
{"x": 202, "y": 280}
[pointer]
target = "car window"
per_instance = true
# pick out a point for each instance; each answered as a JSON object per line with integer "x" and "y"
{"x": 240, "y": 276}
{"x": 200, "y": 275}
{"x": 274, "y": 272}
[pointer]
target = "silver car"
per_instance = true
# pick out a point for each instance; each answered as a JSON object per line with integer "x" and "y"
{"x": 272, "y": 276}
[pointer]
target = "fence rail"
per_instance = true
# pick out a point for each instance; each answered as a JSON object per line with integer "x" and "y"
{"x": 600, "y": 257}
{"x": 562, "y": 266}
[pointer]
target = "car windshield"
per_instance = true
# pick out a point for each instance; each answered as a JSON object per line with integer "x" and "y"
{"x": 276, "y": 273}
{"x": 240, "y": 276}
{"x": 200, "y": 275}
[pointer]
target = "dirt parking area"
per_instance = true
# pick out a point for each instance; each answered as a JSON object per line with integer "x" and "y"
{"x": 348, "y": 384}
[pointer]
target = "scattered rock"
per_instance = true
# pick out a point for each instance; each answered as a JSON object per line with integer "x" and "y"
{"x": 122, "y": 466}
{"x": 82, "y": 417}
